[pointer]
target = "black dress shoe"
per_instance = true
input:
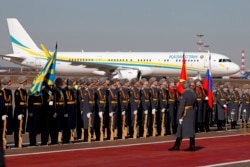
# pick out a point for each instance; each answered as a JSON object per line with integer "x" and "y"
{"x": 175, "y": 148}
{"x": 190, "y": 149}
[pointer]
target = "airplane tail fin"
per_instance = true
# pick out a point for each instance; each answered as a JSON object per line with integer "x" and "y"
{"x": 19, "y": 38}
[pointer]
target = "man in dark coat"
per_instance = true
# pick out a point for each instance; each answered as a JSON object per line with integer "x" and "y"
{"x": 186, "y": 116}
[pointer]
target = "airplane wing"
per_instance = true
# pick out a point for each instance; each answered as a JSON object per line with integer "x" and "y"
{"x": 12, "y": 57}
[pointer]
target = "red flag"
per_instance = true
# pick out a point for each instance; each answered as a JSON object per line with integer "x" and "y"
{"x": 208, "y": 86}
{"x": 183, "y": 75}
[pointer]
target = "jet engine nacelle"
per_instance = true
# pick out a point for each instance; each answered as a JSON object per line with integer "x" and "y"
{"x": 128, "y": 74}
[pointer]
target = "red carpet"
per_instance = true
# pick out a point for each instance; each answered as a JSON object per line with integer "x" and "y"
{"x": 209, "y": 151}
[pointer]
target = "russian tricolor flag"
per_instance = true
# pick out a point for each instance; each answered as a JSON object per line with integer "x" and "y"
{"x": 208, "y": 86}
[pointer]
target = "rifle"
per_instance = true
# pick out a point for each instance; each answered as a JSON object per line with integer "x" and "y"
{"x": 145, "y": 129}
{"x": 82, "y": 135}
{"x": 124, "y": 129}
{"x": 101, "y": 129}
{"x": 89, "y": 130}
{"x": 244, "y": 123}
{"x": 163, "y": 124}
{"x": 111, "y": 128}
{"x": 4, "y": 134}
{"x": 72, "y": 135}
{"x": 20, "y": 141}
{"x": 134, "y": 127}
{"x": 153, "y": 125}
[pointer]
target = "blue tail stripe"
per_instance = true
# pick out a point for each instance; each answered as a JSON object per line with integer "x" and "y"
{"x": 13, "y": 40}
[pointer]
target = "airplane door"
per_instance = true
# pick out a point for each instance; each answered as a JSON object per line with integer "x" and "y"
{"x": 206, "y": 60}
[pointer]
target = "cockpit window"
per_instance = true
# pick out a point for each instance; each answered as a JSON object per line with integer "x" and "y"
{"x": 225, "y": 60}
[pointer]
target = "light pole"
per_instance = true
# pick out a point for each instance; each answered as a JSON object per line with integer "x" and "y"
{"x": 200, "y": 43}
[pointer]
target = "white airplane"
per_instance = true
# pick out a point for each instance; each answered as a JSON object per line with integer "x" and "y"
{"x": 116, "y": 64}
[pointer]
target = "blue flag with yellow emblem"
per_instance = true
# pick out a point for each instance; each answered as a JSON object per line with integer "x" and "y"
{"x": 46, "y": 76}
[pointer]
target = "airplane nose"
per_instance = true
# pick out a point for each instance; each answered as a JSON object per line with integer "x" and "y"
{"x": 235, "y": 68}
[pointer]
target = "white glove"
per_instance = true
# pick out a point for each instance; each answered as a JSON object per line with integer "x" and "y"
{"x": 31, "y": 114}
{"x": 153, "y": 111}
{"x": 4, "y": 117}
{"x": 146, "y": 112}
{"x": 66, "y": 115}
{"x": 50, "y": 103}
{"x": 206, "y": 98}
{"x": 245, "y": 110}
{"x": 111, "y": 114}
{"x": 135, "y": 112}
{"x": 163, "y": 110}
{"x": 100, "y": 114}
{"x": 88, "y": 115}
{"x": 123, "y": 113}
{"x": 55, "y": 115}
{"x": 180, "y": 120}
{"x": 225, "y": 106}
{"x": 81, "y": 112}
{"x": 20, "y": 117}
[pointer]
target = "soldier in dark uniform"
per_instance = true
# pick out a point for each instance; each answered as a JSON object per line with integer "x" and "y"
{"x": 214, "y": 110}
{"x": 245, "y": 109}
{"x": 60, "y": 106}
{"x": 163, "y": 107}
{"x": 172, "y": 103}
{"x": 49, "y": 116}
{"x": 87, "y": 107}
{"x": 234, "y": 105}
{"x": 8, "y": 107}
{"x": 186, "y": 116}
{"x": 144, "y": 107}
{"x": 101, "y": 110}
{"x": 154, "y": 94}
{"x": 34, "y": 115}
{"x": 134, "y": 103}
{"x": 221, "y": 98}
{"x": 200, "y": 106}
{"x": 112, "y": 108}
{"x": 123, "y": 103}
{"x": 20, "y": 110}
{"x": 70, "y": 111}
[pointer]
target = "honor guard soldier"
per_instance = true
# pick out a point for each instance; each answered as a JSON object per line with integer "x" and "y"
{"x": 227, "y": 87}
{"x": 186, "y": 116}
{"x": 79, "y": 122}
{"x": 101, "y": 101}
{"x": 49, "y": 116}
{"x": 134, "y": 102}
{"x": 144, "y": 107}
{"x": 113, "y": 108}
{"x": 221, "y": 98}
{"x": 20, "y": 110}
{"x": 245, "y": 109}
{"x": 70, "y": 111}
{"x": 6, "y": 109}
{"x": 153, "y": 105}
{"x": 234, "y": 105}
{"x": 124, "y": 103}
{"x": 200, "y": 111}
{"x": 214, "y": 110}
{"x": 34, "y": 116}
{"x": 163, "y": 107}
{"x": 87, "y": 107}
{"x": 172, "y": 105}
{"x": 59, "y": 106}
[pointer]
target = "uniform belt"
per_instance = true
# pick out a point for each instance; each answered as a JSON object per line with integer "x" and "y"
{"x": 146, "y": 100}
{"x": 164, "y": 100}
{"x": 137, "y": 101}
{"x": 236, "y": 101}
{"x": 247, "y": 102}
{"x": 22, "y": 103}
{"x": 102, "y": 101}
{"x": 59, "y": 103}
{"x": 113, "y": 102}
{"x": 7, "y": 104}
{"x": 155, "y": 99}
{"x": 71, "y": 102}
{"x": 91, "y": 102}
{"x": 171, "y": 99}
{"x": 222, "y": 99}
{"x": 125, "y": 101}
{"x": 185, "y": 111}
{"x": 199, "y": 99}
{"x": 36, "y": 104}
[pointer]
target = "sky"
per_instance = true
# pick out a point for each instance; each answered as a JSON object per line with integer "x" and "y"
{"x": 132, "y": 25}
